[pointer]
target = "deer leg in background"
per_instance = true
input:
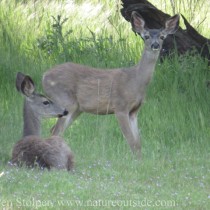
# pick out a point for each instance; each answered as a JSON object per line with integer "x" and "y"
{"x": 64, "y": 122}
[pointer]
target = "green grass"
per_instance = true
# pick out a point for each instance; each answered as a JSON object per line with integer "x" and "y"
{"x": 174, "y": 172}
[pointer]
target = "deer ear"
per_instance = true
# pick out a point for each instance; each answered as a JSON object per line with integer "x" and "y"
{"x": 137, "y": 22}
{"x": 172, "y": 24}
{"x": 24, "y": 84}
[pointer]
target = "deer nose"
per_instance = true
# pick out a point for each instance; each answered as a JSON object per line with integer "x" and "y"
{"x": 155, "y": 46}
{"x": 65, "y": 112}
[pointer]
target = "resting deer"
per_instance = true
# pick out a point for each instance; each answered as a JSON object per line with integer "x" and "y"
{"x": 31, "y": 150}
{"x": 120, "y": 91}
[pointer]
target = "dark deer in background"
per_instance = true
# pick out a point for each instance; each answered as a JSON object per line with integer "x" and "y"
{"x": 115, "y": 91}
{"x": 31, "y": 150}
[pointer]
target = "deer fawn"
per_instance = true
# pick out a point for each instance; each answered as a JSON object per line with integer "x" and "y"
{"x": 31, "y": 150}
{"x": 120, "y": 91}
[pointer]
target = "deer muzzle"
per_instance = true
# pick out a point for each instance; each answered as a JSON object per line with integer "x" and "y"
{"x": 155, "y": 46}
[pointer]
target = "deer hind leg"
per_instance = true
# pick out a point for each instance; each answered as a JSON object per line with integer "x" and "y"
{"x": 129, "y": 127}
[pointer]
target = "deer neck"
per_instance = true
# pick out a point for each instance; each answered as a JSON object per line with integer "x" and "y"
{"x": 146, "y": 66}
{"x": 31, "y": 125}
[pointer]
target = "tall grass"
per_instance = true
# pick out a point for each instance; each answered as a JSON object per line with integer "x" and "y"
{"x": 196, "y": 11}
{"x": 174, "y": 119}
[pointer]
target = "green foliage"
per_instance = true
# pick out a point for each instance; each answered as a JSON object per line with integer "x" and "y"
{"x": 174, "y": 119}
{"x": 55, "y": 42}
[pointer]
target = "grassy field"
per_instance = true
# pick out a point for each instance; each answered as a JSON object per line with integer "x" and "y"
{"x": 174, "y": 120}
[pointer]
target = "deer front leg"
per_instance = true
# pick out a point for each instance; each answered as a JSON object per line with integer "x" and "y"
{"x": 130, "y": 131}
{"x": 64, "y": 122}
{"x": 134, "y": 126}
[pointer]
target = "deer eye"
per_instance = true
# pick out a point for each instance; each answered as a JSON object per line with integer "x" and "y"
{"x": 46, "y": 103}
{"x": 146, "y": 37}
{"x": 162, "y": 37}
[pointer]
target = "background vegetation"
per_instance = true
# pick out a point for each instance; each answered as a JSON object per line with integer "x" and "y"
{"x": 175, "y": 119}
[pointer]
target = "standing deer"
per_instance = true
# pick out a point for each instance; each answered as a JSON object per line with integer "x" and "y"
{"x": 31, "y": 150}
{"x": 120, "y": 91}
